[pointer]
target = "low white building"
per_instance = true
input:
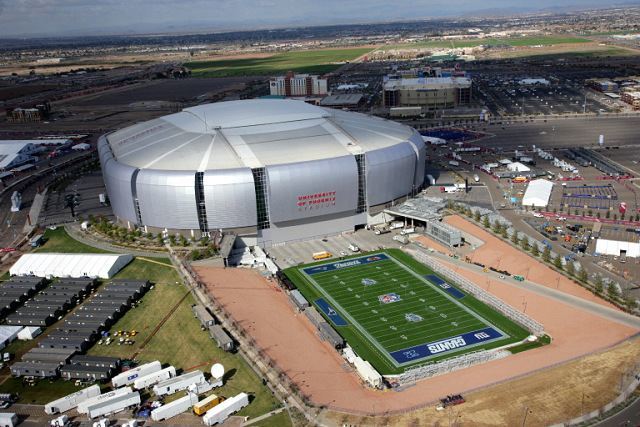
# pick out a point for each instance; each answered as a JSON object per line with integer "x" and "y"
{"x": 618, "y": 248}
{"x": 518, "y": 167}
{"x": 8, "y": 334}
{"x": 14, "y": 153}
{"x": 103, "y": 266}
{"x": 538, "y": 193}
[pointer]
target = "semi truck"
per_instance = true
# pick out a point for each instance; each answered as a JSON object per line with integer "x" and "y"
{"x": 71, "y": 401}
{"x": 206, "y": 404}
{"x": 128, "y": 377}
{"x": 154, "y": 378}
{"x": 82, "y": 406}
{"x": 114, "y": 405}
{"x": 178, "y": 383}
{"x": 174, "y": 408}
{"x": 221, "y": 412}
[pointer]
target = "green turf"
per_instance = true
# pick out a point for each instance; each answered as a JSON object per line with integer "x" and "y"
{"x": 43, "y": 392}
{"x": 149, "y": 270}
{"x": 59, "y": 241}
{"x": 278, "y": 420}
{"x": 305, "y": 61}
{"x": 382, "y": 328}
{"x": 510, "y": 41}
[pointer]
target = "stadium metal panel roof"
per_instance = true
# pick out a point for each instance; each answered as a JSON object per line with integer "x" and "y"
{"x": 251, "y": 133}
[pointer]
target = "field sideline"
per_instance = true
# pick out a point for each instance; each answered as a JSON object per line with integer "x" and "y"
{"x": 394, "y": 317}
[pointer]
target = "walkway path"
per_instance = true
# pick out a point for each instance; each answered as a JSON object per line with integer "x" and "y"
{"x": 264, "y": 416}
{"x": 74, "y": 232}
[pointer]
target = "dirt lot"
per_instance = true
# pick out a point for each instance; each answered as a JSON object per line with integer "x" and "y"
{"x": 501, "y": 255}
{"x": 165, "y": 90}
{"x": 290, "y": 339}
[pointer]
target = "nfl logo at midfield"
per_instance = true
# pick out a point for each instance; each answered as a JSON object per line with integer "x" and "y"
{"x": 389, "y": 298}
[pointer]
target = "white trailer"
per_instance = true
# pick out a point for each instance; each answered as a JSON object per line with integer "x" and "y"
{"x": 8, "y": 419}
{"x": 154, "y": 378}
{"x": 82, "y": 406}
{"x": 114, "y": 405}
{"x": 71, "y": 401}
{"x": 128, "y": 377}
{"x": 174, "y": 408}
{"x": 222, "y": 411}
{"x": 179, "y": 383}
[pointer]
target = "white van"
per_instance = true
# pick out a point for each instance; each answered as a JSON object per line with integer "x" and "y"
{"x": 354, "y": 248}
{"x": 406, "y": 231}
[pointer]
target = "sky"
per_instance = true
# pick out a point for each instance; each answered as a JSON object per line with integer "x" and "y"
{"x": 32, "y": 18}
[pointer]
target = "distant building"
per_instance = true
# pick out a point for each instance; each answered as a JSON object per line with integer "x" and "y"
{"x": 26, "y": 115}
{"x": 346, "y": 100}
{"x": 602, "y": 85}
{"x": 431, "y": 93}
{"x": 631, "y": 98}
{"x": 298, "y": 85}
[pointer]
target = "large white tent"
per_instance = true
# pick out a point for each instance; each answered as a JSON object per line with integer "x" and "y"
{"x": 103, "y": 266}
{"x": 538, "y": 193}
{"x": 617, "y": 248}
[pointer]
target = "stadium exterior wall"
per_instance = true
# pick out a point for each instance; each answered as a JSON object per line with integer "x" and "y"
{"x": 268, "y": 203}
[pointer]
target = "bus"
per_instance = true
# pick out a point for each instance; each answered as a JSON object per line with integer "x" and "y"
{"x": 322, "y": 255}
{"x": 207, "y": 403}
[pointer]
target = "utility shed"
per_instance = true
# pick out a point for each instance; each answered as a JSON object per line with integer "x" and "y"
{"x": 96, "y": 361}
{"x": 79, "y": 372}
{"x": 103, "y": 266}
{"x": 297, "y": 298}
{"x": 59, "y": 356}
{"x": 34, "y": 369}
{"x": 223, "y": 340}
{"x": 538, "y": 193}
{"x": 329, "y": 334}
{"x": 201, "y": 313}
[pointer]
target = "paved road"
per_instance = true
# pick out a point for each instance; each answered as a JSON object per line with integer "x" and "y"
{"x": 629, "y": 416}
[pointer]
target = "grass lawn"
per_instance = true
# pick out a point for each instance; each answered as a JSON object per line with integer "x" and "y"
{"x": 510, "y": 41}
{"x": 180, "y": 341}
{"x": 150, "y": 270}
{"x": 305, "y": 61}
{"x": 393, "y": 333}
{"x": 281, "y": 419}
{"x": 59, "y": 241}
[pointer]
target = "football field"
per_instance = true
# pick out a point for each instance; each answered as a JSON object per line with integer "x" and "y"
{"x": 397, "y": 314}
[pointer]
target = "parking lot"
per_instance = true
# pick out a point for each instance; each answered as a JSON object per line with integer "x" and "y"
{"x": 507, "y": 96}
{"x": 294, "y": 253}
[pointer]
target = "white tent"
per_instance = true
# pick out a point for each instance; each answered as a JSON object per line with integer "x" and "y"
{"x": 538, "y": 193}
{"x": 617, "y": 248}
{"x": 103, "y": 266}
{"x": 518, "y": 167}
{"x": 8, "y": 334}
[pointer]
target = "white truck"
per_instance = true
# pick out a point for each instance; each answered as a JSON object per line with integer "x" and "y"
{"x": 71, "y": 401}
{"x": 396, "y": 224}
{"x": 61, "y": 421}
{"x": 178, "y": 383}
{"x": 354, "y": 248}
{"x": 222, "y": 411}
{"x": 154, "y": 378}
{"x": 82, "y": 406}
{"x": 114, "y": 405}
{"x": 407, "y": 231}
{"x": 8, "y": 419}
{"x": 401, "y": 238}
{"x": 128, "y": 377}
{"x": 174, "y": 408}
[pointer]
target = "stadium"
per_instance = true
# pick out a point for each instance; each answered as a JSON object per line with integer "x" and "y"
{"x": 269, "y": 171}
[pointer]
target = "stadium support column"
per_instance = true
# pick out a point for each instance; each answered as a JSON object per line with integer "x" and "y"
{"x": 362, "y": 183}
{"x": 200, "y": 204}
{"x": 262, "y": 203}
{"x": 134, "y": 193}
